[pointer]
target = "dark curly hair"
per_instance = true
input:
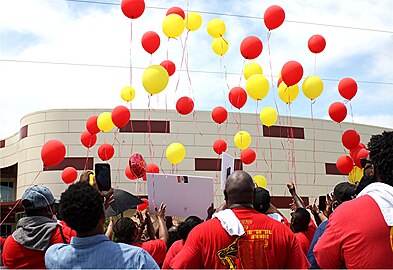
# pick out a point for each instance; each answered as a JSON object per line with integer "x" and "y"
{"x": 81, "y": 207}
{"x": 381, "y": 154}
{"x": 185, "y": 227}
{"x": 124, "y": 230}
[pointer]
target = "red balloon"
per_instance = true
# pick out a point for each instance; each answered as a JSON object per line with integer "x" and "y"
{"x": 248, "y": 156}
{"x": 184, "y": 105}
{"x": 350, "y": 139}
{"x": 144, "y": 205}
{"x": 316, "y": 44}
{"x": 69, "y": 175}
{"x": 137, "y": 165}
{"x": 88, "y": 140}
{"x": 176, "y": 10}
{"x": 363, "y": 153}
{"x": 292, "y": 73}
{"x": 106, "y": 151}
{"x": 91, "y": 125}
{"x": 347, "y": 88}
{"x": 150, "y": 41}
{"x": 237, "y": 97}
{"x": 219, "y": 115}
{"x": 129, "y": 174}
{"x": 354, "y": 152}
{"x": 121, "y": 116}
{"x": 274, "y": 17}
{"x": 338, "y": 112}
{"x": 251, "y": 47}
{"x": 279, "y": 81}
{"x": 169, "y": 66}
{"x": 53, "y": 152}
{"x": 151, "y": 168}
{"x": 344, "y": 164}
{"x": 133, "y": 9}
{"x": 220, "y": 146}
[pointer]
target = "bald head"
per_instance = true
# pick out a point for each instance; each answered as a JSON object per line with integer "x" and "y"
{"x": 239, "y": 188}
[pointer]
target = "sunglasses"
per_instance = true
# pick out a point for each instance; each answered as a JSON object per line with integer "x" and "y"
{"x": 364, "y": 162}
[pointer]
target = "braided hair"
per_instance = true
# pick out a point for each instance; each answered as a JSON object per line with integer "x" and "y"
{"x": 381, "y": 154}
{"x": 125, "y": 230}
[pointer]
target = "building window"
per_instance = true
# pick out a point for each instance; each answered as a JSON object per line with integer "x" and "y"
{"x": 5, "y": 230}
{"x": 7, "y": 192}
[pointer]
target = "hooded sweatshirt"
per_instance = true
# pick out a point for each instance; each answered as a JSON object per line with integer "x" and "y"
{"x": 26, "y": 247}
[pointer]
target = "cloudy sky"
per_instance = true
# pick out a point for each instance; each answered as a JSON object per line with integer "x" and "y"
{"x": 76, "y": 54}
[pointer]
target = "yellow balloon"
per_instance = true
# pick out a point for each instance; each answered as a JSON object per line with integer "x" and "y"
{"x": 104, "y": 122}
{"x": 288, "y": 94}
{"x": 242, "y": 140}
{"x": 175, "y": 153}
{"x": 155, "y": 78}
{"x": 220, "y": 46}
{"x": 268, "y": 116}
{"x": 193, "y": 21}
{"x": 251, "y": 69}
{"x": 127, "y": 93}
{"x": 355, "y": 175}
{"x": 260, "y": 181}
{"x": 173, "y": 25}
{"x": 257, "y": 86}
{"x": 312, "y": 87}
{"x": 216, "y": 28}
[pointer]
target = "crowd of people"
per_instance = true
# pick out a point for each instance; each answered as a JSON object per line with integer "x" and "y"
{"x": 354, "y": 230}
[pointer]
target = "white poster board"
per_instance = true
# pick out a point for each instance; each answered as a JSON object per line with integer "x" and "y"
{"x": 184, "y": 195}
{"x": 227, "y": 167}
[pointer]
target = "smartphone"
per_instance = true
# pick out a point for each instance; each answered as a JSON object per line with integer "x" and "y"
{"x": 322, "y": 203}
{"x": 103, "y": 176}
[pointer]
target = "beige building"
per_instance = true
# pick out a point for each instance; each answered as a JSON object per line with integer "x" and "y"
{"x": 308, "y": 158}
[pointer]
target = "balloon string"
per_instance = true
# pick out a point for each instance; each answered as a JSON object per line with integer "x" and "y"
{"x": 87, "y": 158}
{"x": 167, "y": 49}
{"x": 292, "y": 145}
{"x": 271, "y": 76}
{"x": 166, "y": 132}
{"x": 315, "y": 65}
{"x": 131, "y": 53}
{"x": 182, "y": 60}
{"x": 313, "y": 142}
{"x": 117, "y": 178}
{"x": 225, "y": 73}
{"x": 9, "y": 213}
{"x": 149, "y": 130}
{"x": 353, "y": 119}
{"x": 259, "y": 134}
{"x": 132, "y": 130}
{"x": 151, "y": 59}
{"x": 17, "y": 201}
{"x": 223, "y": 82}
{"x": 271, "y": 156}
{"x": 241, "y": 75}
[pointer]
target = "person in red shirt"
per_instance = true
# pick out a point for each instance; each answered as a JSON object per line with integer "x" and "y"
{"x": 240, "y": 237}
{"x": 303, "y": 227}
{"x": 359, "y": 233}
{"x": 184, "y": 229}
{"x": 126, "y": 231}
{"x": 34, "y": 234}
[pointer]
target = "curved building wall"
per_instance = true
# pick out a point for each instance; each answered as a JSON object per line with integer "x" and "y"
{"x": 196, "y": 132}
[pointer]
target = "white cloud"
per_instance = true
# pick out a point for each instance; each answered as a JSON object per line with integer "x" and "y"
{"x": 95, "y": 34}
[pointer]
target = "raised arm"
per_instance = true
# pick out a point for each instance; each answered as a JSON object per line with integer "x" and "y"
{"x": 298, "y": 201}
{"x": 162, "y": 229}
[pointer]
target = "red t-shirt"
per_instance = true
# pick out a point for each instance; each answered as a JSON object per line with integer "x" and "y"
{"x": 17, "y": 256}
{"x": 156, "y": 248}
{"x": 356, "y": 236}
{"x": 172, "y": 252}
{"x": 305, "y": 238}
{"x": 266, "y": 244}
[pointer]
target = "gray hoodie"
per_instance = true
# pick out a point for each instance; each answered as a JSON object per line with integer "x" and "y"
{"x": 34, "y": 232}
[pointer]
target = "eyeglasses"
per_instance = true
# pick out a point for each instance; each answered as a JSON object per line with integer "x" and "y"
{"x": 364, "y": 162}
